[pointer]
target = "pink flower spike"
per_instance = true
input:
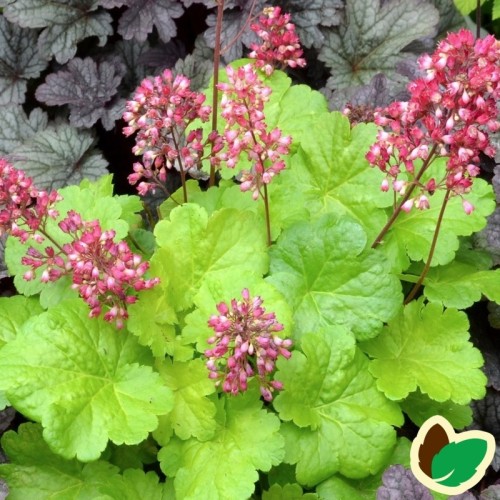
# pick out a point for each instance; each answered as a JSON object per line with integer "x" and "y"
{"x": 245, "y": 345}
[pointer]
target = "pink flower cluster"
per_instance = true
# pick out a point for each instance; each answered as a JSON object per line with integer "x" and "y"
{"x": 246, "y": 344}
{"x": 105, "y": 273}
{"x": 23, "y": 208}
{"x": 242, "y": 104}
{"x": 280, "y": 46}
{"x": 161, "y": 110}
{"x": 450, "y": 114}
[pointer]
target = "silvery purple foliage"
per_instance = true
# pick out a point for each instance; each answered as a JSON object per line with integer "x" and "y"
{"x": 399, "y": 483}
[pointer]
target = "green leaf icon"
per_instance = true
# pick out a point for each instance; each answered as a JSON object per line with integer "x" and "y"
{"x": 457, "y": 462}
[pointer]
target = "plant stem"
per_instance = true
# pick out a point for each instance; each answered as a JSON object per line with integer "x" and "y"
{"x": 215, "y": 90}
{"x": 427, "y": 266}
{"x": 268, "y": 218}
{"x": 478, "y": 19}
{"x": 406, "y": 197}
{"x": 181, "y": 168}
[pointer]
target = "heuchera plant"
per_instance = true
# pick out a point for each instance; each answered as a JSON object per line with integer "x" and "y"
{"x": 186, "y": 390}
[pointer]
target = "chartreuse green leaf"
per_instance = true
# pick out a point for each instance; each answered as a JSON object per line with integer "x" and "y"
{"x": 153, "y": 320}
{"x": 428, "y": 348}
{"x": 466, "y": 6}
{"x": 229, "y": 195}
{"x": 328, "y": 277}
{"x": 217, "y": 289}
{"x": 463, "y": 281}
{"x": 84, "y": 381}
{"x": 287, "y": 492}
{"x": 457, "y": 462}
{"x": 35, "y": 472}
{"x": 363, "y": 489}
{"x": 419, "y": 407}
{"x": 135, "y": 484}
{"x": 14, "y": 312}
{"x": 193, "y": 245}
{"x": 331, "y": 174}
{"x": 93, "y": 201}
{"x": 411, "y": 235}
{"x": 246, "y": 439}
{"x": 341, "y": 422}
{"x": 226, "y": 195}
{"x": 193, "y": 414}
{"x": 495, "y": 14}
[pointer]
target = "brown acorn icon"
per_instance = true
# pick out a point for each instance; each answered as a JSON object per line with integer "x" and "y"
{"x": 434, "y": 441}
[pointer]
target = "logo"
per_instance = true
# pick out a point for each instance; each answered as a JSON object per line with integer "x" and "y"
{"x": 448, "y": 462}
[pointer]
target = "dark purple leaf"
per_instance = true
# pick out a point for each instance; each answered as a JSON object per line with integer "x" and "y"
{"x": 58, "y": 156}
{"x": 6, "y": 417}
{"x": 236, "y": 31}
{"x": 140, "y": 17}
{"x": 17, "y": 127}
{"x": 486, "y": 415}
{"x": 19, "y": 61}
{"x": 371, "y": 38}
{"x": 309, "y": 16}
{"x": 66, "y": 23}
{"x": 399, "y": 483}
{"x": 88, "y": 88}
{"x": 491, "y": 493}
{"x": 3, "y": 266}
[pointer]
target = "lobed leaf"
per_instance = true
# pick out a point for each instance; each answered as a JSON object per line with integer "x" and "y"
{"x": 420, "y": 407}
{"x": 18, "y": 127}
{"x": 327, "y": 276}
{"x": 66, "y": 23}
{"x": 141, "y": 15}
{"x": 35, "y": 471}
{"x": 398, "y": 482}
{"x": 84, "y": 382}
{"x": 246, "y": 439}
{"x": 460, "y": 285}
{"x": 341, "y": 422}
{"x": 287, "y": 492}
{"x": 193, "y": 414}
{"x": 428, "y": 348}
{"x": 310, "y": 16}
{"x": 371, "y": 38}
{"x": 88, "y": 88}
{"x": 19, "y": 61}
{"x": 194, "y": 246}
{"x": 330, "y": 174}
{"x": 363, "y": 489}
{"x": 411, "y": 235}
{"x": 14, "y": 312}
{"x": 59, "y": 155}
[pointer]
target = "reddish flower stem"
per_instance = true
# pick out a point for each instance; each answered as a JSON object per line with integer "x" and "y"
{"x": 405, "y": 198}
{"x": 181, "y": 168}
{"x": 427, "y": 266}
{"x": 268, "y": 218}
{"x": 215, "y": 98}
